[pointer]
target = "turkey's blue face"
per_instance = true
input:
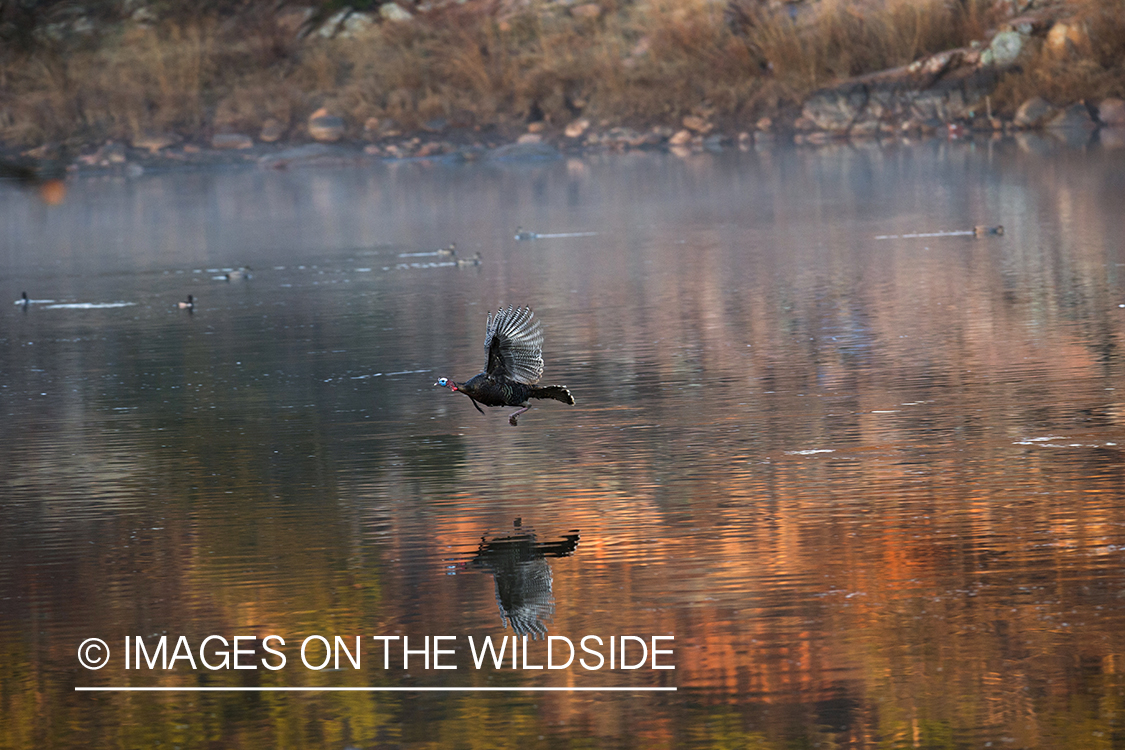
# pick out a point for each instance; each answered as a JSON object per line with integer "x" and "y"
{"x": 446, "y": 383}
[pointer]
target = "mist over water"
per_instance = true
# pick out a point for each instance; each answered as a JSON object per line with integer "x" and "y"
{"x": 872, "y": 487}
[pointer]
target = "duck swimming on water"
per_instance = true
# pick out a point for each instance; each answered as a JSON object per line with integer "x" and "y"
{"x": 189, "y": 304}
{"x": 980, "y": 230}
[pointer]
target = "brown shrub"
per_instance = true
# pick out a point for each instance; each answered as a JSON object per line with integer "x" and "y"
{"x": 1093, "y": 73}
{"x": 843, "y": 40}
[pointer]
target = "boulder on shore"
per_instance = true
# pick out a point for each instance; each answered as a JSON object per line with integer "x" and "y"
{"x": 1074, "y": 117}
{"x": 1034, "y": 112}
{"x": 326, "y": 127}
{"x": 944, "y": 87}
{"x": 1004, "y": 48}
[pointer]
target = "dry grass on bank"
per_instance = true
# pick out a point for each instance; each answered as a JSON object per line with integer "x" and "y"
{"x": 843, "y": 41}
{"x": 187, "y": 77}
{"x": 637, "y": 63}
{"x": 1091, "y": 70}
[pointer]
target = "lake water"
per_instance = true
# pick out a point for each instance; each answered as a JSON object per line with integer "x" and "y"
{"x": 871, "y": 487}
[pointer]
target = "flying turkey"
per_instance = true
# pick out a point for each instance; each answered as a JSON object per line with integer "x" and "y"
{"x": 513, "y": 344}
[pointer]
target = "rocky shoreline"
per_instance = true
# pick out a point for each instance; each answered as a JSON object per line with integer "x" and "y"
{"x": 1076, "y": 125}
{"x": 952, "y": 91}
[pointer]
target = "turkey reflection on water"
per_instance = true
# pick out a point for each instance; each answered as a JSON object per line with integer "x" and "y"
{"x": 518, "y": 562}
{"x": 872, "y": 487}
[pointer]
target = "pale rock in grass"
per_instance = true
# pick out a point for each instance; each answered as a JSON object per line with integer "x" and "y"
{"x": 696, "y": 123}
{"x": 1066, "y": 40}
{"x": 395, "y": 13}
{"x": 356, "y": 25}
{"x": 1004, "y": 48}
{"x": 144, "y": 16}
{"x": 326, "y": 127}
{"x": 154, "y": 142}
{"x": 577, "y": 128}
{"x": 231, "y": 141}
{"x": 680, "y": 138}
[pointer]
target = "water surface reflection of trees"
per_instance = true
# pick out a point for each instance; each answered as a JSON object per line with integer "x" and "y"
{"x": 873, "y": 488}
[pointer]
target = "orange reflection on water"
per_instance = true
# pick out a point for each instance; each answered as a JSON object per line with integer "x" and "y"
{"x": 871, "y": 487}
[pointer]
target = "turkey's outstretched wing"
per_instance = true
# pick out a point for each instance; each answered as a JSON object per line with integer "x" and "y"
{"x": 514, "y": 345}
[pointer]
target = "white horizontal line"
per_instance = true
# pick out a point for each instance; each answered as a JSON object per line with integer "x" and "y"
{"x": 376, "y": 689}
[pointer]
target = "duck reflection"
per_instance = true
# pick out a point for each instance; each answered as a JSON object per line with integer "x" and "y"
{"x": 518, "y": 561}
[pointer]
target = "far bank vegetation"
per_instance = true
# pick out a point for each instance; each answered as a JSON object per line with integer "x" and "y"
{"x": 115, "y": 69}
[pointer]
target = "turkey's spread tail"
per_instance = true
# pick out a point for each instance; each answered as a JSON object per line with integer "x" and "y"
{"x": 557, "y": 392}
